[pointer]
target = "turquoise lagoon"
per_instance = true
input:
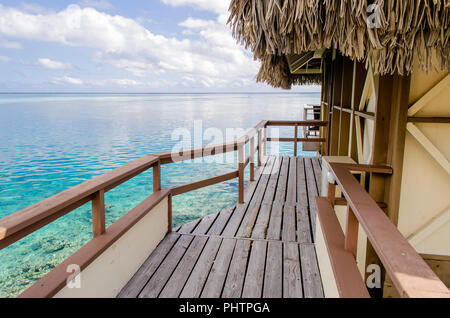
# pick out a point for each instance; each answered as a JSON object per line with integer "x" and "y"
{"x": 51, "y": 142}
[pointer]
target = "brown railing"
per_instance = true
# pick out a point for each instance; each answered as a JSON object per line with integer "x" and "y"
{"x": 24, "y": 222}
{"x": 411, "y": 276}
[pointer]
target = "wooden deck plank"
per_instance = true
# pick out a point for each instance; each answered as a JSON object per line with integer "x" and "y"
{"x": 163, "y": 273}
{"x": 238, "y": 214}
{"x": 146, "y": 271}
{"x": 292, "y": 279}
{"x": 236, "y": 274}
{"x": 197, "y": 279}
{"x": 255, "y": 273}
{"x": 273, "y": 280}
{"x": 180, "y": 275}
{"x": 176, "y": 282}
{"x": 312, "y": 193}
{"x": 221, "y": 221}
{"x": 217, "y": 275}
{"x": 280, "y": 195}
{"x": 317, "y": 173}
{"x": 188, "y": 227}
{"x": 312, "y": 283}
{"x": 288, "y": 232}
{"x": 291, "y": 193}
{"x": 245, "y": 229}
{"x": 262, "y": 222}
{"x": 269, "y": 195}
{"x": 204, "y": 224}
{"x": 276, "y": 217}
{"x": 303, "y": 225}
{"x": 302, "y": 191}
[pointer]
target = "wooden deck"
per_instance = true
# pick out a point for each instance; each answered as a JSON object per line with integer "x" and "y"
{"x": 261, "y": 248}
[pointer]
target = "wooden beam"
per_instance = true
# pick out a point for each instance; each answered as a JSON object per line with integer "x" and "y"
{"x": 443, "y": 85}
{"x": 396, "y": 148}
{"x": 336, "y": 101}
{"x": 429, "y": 147}
{"x": 346, "y": 99}
{"x": 434, "y": 120}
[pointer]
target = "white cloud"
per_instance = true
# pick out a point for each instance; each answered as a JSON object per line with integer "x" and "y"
{"x": 214, "y": 60}
{"x": 216, "y": 6}
{"x": 191, "y": 23}
{"x": 4, "y": 59}
{"x": 10, "y": 44}
{"x": 53, "y": 65}
{"x": 67, "y": 80}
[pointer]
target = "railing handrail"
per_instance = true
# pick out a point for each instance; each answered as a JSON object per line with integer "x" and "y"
{"x": 73, "y": 197}
{"x": 26, "y": 221}
{"x": 411, "y": 276}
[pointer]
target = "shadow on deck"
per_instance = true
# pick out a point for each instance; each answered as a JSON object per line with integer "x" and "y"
{"x": 261, "y": 248}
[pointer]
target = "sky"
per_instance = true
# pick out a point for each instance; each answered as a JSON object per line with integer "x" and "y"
{"x": 123, "y": 46}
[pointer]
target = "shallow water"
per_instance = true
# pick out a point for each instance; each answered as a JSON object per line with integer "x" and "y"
{"x": 51, "y": 142}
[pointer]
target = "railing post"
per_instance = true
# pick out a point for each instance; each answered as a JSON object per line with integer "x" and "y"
{"x": 157, "y": 177}
{"x": 252, "y": 159}
{"x": 265, "y": 142}
{"x": 98, "y": 213}
{"x": 295, "y": 141}
{"x": 169, "y": 214}
{"x": 259, "y": 148}
{"x": 351, "y": 233}
{"x": 241, "y": 172}
{"x": 332, "y": 194}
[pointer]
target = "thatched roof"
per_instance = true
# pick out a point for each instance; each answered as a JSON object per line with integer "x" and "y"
{"x": 273, "y": 29}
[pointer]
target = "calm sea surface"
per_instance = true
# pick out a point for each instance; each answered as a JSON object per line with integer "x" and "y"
{"x": 49, "y": 143}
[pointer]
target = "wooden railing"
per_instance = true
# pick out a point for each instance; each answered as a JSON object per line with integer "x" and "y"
{"x": 296, "y": 124}
{"x": 411, "y": 276}
{"x": 24, "y": 222}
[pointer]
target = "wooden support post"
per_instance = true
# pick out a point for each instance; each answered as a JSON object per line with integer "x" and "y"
{"x": 265, "y": 142}
{"x": 157, "y": 177}
{"x": 351, "y": 233}
{"x": 259, "y": 148}
{"x": 332, "y": 193}
{"x": 252, "y": 159}
{"x": 169, "y": 214}
{"x": 346, "y": 100}
{"x": 335, "y": 101}
{"x": 98, "y": 213}
{"x": 241, "y": 173}
{"x": 295, "y": 142}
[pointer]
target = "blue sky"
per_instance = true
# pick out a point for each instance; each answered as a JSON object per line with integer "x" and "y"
{"x": 122, "y": 46}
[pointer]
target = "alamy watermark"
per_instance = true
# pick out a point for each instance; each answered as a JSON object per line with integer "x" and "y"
{"x": 74, "y": 279}
{"x": 374, "y": 14}
{"x": 215, "y": 145}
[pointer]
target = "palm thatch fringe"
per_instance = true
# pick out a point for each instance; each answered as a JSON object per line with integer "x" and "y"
{"x": 388, "y": 34}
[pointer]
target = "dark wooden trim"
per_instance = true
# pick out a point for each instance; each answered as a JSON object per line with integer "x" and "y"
{"x": 305, "y": 123}
{"x": 366, "y": 115}
{"x": 381, "y": 169}
{"x": 53, "y": 282}
{"x": 436, "y": 120}
{"x": 298, "y": 139}
{"x": 204, "y": 183}
{"x": 348, "y": 278}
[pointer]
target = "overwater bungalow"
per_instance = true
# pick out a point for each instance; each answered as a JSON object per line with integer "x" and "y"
{"x": 369, "y": 216}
